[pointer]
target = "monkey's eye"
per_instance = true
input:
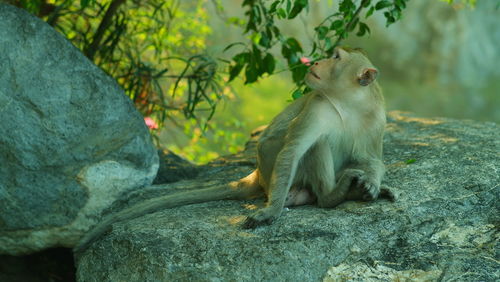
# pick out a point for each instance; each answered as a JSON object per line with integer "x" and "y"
{"x": 336, "y": 55}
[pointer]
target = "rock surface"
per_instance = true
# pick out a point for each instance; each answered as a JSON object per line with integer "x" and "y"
{"x": 173, "y": 168}
{"x": 70, "y": 140}
{"x": 445, "y": 225}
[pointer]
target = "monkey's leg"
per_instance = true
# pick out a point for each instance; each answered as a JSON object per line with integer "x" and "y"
{"x": 277, "y": 194}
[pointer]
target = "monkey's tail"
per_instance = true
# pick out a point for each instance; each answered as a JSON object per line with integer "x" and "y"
{"x": 245, "y": 188}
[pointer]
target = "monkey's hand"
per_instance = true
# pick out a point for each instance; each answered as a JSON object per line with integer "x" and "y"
{"x": 362, "y": 186}
{"x": 263, "y": 216}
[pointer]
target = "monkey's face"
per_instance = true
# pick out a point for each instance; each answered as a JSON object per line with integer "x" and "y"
{"x": 322, "y": 74}
{"x": 343, "y": 69}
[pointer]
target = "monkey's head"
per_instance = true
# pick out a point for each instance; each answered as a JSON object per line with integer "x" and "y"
{"x": 346, "y": 68}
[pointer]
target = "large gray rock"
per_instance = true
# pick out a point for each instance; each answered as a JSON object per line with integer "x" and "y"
{"x": 70, "y": 140}
{"x": 443, "y": 227}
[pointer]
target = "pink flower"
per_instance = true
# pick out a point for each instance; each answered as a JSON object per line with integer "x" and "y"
{"x": 305, "y": 61}
{"x": 150, "y": 123}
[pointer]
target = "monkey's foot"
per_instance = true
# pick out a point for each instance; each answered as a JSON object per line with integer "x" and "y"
{"x": 370, "y": 191}
{"x": 364, "y": 188}
{"x": 388, "y": 193}
{"x": 262, "y": 217}
{"x": 251, "y": 223}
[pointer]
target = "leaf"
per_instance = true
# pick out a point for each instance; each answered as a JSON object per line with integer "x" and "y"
{"x": 256, "y": 59}
{"x": 298, "y": 6}
{"x": 400, "y": 3}
{"x": 285, "y": 51}
{"x": 346, "y": 7}
{"x": 294, "y": 58}
{"x": 276, "y": 32}
{"x": 281, "y": 13}
{"x": 322, "y": 31}
{"x": 340, "y": 32}
{"x": 297, "y": 94}
{"x": 390, "y": 18}
{"x": 272, "y": 9}
{"x": 265, "y": 40}
{"x": 251, "y": 73}
{"x": 383, "y": 4}
{"x": 242, "y": 57}
{"x": 269, "y": 63}
{"x": 337, "y": 24}
{"x": 294, "y": 44}
{"x": 410, "y": 161}
{"x": 235, "y": 70}
{"x": 328, "y": 43}
{"x": 241, "y": 60}
{"x": 250, "y": 26}
{"x": 86, "y": 3}
{"x": 257, "y": 15}
{"x": 370, "y": 12}
{"x": 363, "y": 28}
{"x": 299, "y": 72}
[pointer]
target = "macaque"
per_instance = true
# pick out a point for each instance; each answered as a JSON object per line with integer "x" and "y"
{"x": 324, "y": 148}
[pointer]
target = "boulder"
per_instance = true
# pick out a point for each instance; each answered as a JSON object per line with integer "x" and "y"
{"x": 70, "y": 140}
{"x": 174, "y": 168}
{"x": 444, "y": 225}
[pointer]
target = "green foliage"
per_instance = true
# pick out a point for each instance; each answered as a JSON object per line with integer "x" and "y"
{"x": 153, "y": 48}
{"x": 261, "y": 23}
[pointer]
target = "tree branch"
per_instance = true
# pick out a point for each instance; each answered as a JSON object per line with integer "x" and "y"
{"x": 351, "y": 22}
{"x": 91, "y": 50}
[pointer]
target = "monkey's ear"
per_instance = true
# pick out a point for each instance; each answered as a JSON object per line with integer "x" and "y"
{"x": 367, "y": 76}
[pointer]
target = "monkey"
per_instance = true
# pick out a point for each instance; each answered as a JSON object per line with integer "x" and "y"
{"x": 323, "y": 148}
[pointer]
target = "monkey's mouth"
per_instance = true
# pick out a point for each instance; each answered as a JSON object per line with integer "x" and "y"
{"x": 314, "y": 74}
